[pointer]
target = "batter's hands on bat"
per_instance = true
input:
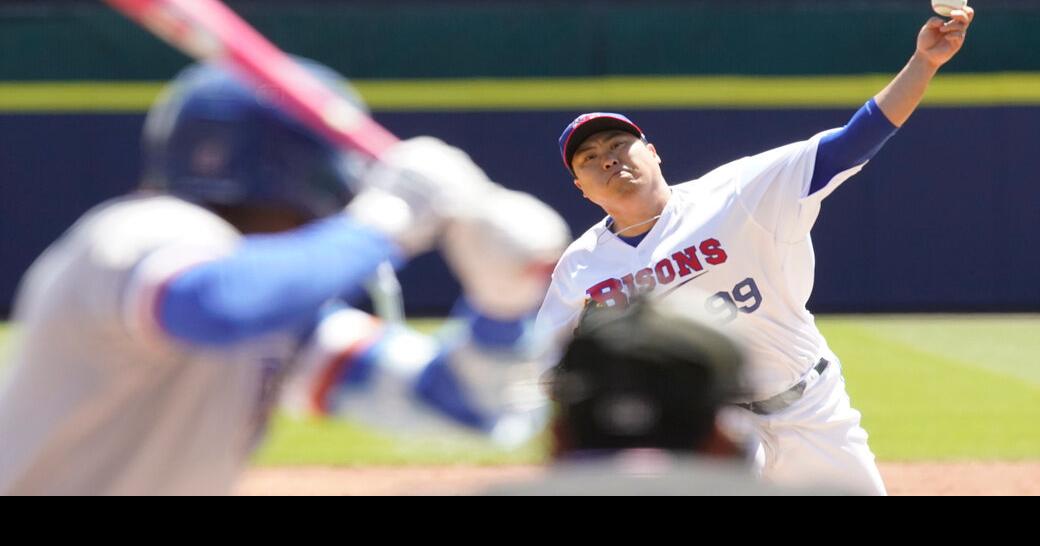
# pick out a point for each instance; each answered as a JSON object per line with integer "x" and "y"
{"x": 504, "y": 252}
{"x": 416, "y": 189}
{"x": 941, "y": 39}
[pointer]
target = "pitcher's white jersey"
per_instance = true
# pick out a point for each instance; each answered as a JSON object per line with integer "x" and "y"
{"x": 97, "y": 400}
{"x": 739, "y": 234}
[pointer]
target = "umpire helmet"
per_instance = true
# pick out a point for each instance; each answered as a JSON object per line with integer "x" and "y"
{"x": 214, "y": 140}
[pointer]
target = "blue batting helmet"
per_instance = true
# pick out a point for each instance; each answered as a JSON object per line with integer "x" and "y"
{"x": 214, "y": 140}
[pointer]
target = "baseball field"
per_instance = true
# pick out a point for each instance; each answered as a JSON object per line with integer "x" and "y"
{"x": 951, "y": 404}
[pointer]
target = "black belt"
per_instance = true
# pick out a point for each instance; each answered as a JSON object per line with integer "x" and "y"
{"x": 783, "y": 400}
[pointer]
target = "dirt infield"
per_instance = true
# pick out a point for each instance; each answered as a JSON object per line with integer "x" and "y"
{"x": 971, "y": 478}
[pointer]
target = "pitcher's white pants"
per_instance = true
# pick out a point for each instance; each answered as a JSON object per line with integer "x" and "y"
{"x": 817, "y": 441}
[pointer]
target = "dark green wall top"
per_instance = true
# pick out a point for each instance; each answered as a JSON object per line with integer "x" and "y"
{"x": 530, "y": 39}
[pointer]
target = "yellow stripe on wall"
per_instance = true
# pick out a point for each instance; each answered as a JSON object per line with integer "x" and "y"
{"x": 70, "y": 97}
{"x": 707, "y": 92}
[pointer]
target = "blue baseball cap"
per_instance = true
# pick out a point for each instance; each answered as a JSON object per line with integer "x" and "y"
{"x": 587, "y": 125}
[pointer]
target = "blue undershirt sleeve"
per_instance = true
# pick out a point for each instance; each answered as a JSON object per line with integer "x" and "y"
{"x": 852, "y": 145}
{"x": 272, "y": 282}
{"x": 490, "y": 332}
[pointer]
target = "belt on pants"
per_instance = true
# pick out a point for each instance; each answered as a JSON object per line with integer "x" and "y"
{"x": 783, "y": 400}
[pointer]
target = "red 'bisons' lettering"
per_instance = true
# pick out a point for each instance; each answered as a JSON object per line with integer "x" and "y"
{"x": 687, "y": 260}
{"x": 608, "y": 293}
{"x": 665, "y": 272}
{"x": 645, "y": 280}
{"x": 630, "y": 283}
{"x": 712, "y": 249}
{"x": 616, "y": 292}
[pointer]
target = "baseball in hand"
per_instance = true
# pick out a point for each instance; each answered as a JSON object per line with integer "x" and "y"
{"x": 945, "y": 7}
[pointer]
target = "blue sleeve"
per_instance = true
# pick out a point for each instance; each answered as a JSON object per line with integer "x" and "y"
{"x": 852, "y": 145}
{"x": 489, "y": 332}
{"x": 272, "y": 282}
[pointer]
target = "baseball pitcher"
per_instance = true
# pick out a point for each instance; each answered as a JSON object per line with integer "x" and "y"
{"x": 741, "y": 234}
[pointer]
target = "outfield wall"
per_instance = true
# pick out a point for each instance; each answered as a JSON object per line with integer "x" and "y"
{"x": 946, "y": 218}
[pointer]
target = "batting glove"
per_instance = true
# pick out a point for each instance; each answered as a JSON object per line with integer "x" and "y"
{"x": 418, "y": 186}
{"x": 503, "y": 252}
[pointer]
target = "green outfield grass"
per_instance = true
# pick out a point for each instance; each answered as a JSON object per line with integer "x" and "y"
{"x": 930, "y": 388}
{"x": 293, "y": 442}
{"x": 943, "y": 387}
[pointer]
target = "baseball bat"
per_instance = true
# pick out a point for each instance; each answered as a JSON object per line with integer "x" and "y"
{"x": 208, "y": 30}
